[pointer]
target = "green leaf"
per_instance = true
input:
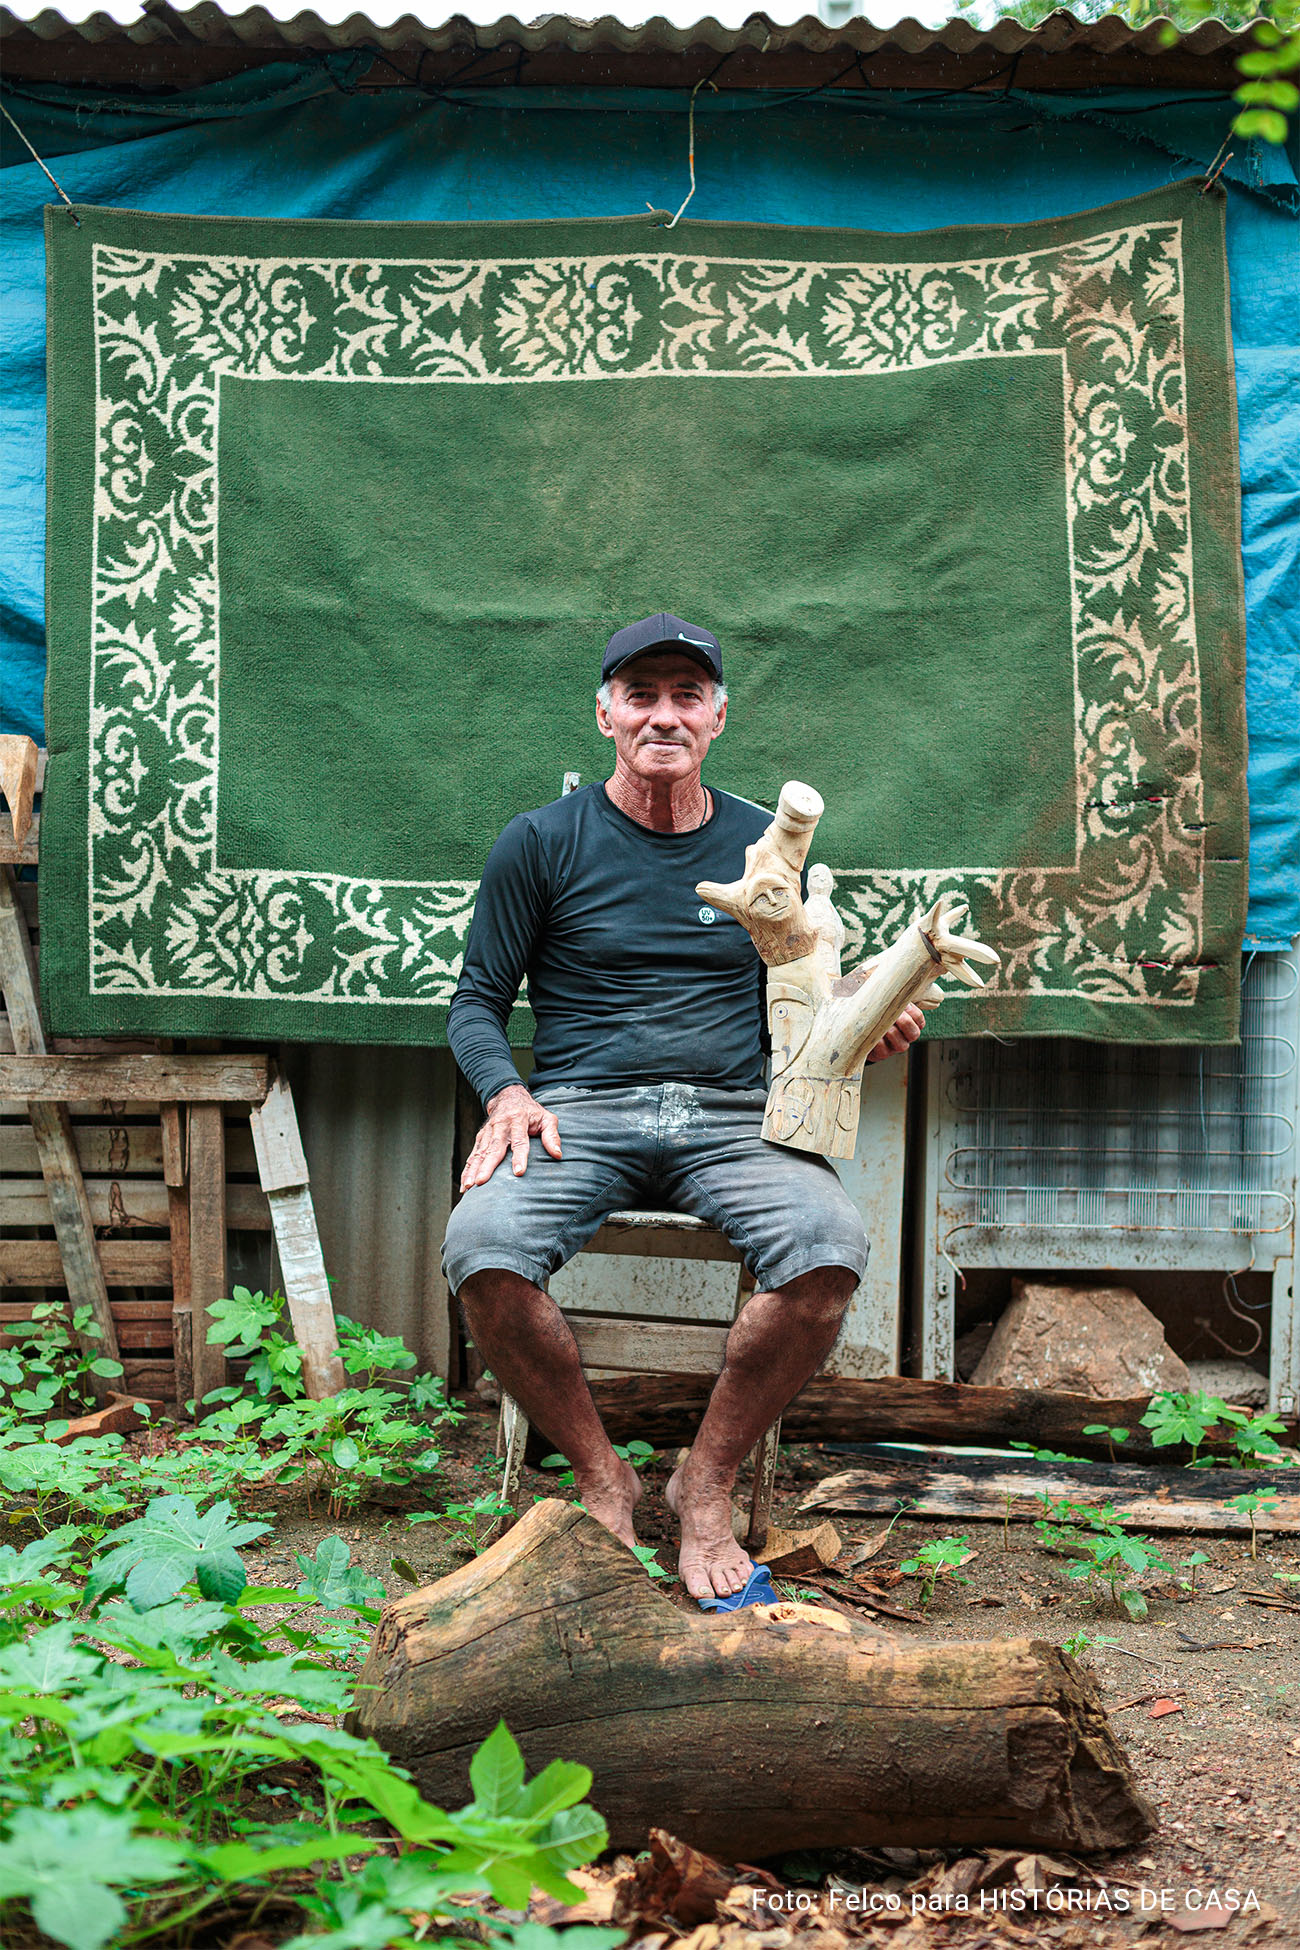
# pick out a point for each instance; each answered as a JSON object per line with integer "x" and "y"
{"x": 1134, "y": 1603}
{"x": 64, "y": 1862}
{"x": 221, "y": 1576}
{"x": 245, "y": 1862}
{"x": 574, "y": 1836}
{"x": 345, "y": 1453}
{"x": 331, "y": 1579}
{"x": 496, "y": 1775}
{"x": 105, "y": 1366}
{"x": 559, "y": 1785}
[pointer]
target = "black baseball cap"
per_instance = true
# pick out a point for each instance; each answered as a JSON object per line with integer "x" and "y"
{"x": 662, "y": 632}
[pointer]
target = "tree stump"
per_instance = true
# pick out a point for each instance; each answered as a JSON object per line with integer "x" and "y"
{"x": 743, "y": 1734}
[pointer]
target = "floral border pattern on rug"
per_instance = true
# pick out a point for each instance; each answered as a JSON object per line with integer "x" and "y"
{"x": 169, "y": 327}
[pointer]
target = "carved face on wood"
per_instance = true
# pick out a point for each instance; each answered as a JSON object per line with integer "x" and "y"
{"x": 661, "y": 717}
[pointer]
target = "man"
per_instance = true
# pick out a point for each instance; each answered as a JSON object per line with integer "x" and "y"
{"x": 648, "y": 1089}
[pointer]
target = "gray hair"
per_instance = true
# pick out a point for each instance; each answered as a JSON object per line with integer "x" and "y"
{"x": 604, "y": 696}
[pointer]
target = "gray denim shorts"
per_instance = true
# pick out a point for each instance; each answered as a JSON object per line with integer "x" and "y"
{"x": 672, "y": 1146}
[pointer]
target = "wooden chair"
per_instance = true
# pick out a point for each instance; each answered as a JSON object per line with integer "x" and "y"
{"x": 633, "y": 1346}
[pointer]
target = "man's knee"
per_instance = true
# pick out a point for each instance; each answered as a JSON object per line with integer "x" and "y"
{"x": 822, "y": 1294}
{"x": 478, "y": 1246}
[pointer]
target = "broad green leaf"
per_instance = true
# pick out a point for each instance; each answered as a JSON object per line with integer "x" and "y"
{"x": 332, "y": 1580}
{"x": 345, "y": 1453}
{"x": 559, "y": 1785}
{"x": 221, "y": 1576}
{"x": 496, "y": 1774}
{"x": 159, "y": 1578}
{"x": 245, "y": 1862}
{"x": 65, "y": 1862}
{"x": 48, "y": 1662}
{"x": 573, "y": 1837}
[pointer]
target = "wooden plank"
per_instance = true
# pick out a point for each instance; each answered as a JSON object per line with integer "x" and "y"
{"x": 122, "y": 1309}
{"x": 282, "y": 1168}
{"x": 81, "y": 1270}
{"x": 117, "y": 1150}
{"x": 125, "y": 1262}
{"x": 965, "y": 1486}
{"x": 661, "y": 1235}
{"x": 208, "y": 1281}
{"x": 183, "y": 1354}
{"x": 141, "y": 1202}
{"x": 281, "y": 1160}
{"x": 150, "y": 1377}
{"x": 652, "y": 1347}
{"x": 134, "y": 1336}
{"x": 891, "y": 1408}
{"x": 173, "y": 1131}
{"x": 132, "y": 1079}
{"x": 132, "y": 1147}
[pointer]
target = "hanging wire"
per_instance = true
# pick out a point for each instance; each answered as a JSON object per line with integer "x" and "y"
{"x": 53, "y": 178}
{"x": 690, "y": 148}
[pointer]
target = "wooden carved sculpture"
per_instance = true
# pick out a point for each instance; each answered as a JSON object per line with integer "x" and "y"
{"x": 823, "y": 1023}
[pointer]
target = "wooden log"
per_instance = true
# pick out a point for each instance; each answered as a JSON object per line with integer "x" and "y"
{"x": 282, "y": 1168}
{"x": 80, "y": 1268}
{"x": 208, "y": 1280}
{"x": 136, "y": 1079}
{"x": 825, "y": 1025}
{"x": 666, "y": 1411}
{"x": 120, "y": 1415}
{"x": 967, "y": 1486}
{"x": 741, "y": 1734}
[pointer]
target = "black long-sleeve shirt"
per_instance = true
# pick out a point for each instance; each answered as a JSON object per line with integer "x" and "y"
{"x": 632, "y": 978}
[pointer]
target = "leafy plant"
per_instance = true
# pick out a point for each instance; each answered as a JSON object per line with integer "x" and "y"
{"x": 1192, "y": 1418}
{"x": 636, "y": 1453}
{"x": 161, "y": 1552}
{"x": 1102, "y": 1551}
{"x": 475, "y": 1519}
{"x": 1250, "y": 1503}
{"x": 1112, "y": 1435}
{"x": 135, "y": 1745}
{"x": 1080, "y": 1642}
{"x": 1192, "y": 1565}
{"x": 47, "y": 1365}
{"x": 935, "y": 1560}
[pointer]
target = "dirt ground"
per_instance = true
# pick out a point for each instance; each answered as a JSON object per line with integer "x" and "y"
{"x": 1222, "y": 1770}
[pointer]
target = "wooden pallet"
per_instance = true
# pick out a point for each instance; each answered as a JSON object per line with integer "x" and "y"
{"x": 123, "y": 1167}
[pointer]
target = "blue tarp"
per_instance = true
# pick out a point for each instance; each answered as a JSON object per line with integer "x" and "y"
{"x": 290, "y": 140}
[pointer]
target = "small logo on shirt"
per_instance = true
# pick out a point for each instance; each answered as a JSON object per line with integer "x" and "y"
{"x": 708, "y": 916}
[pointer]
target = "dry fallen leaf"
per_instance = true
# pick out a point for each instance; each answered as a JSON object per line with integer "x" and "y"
{"x": 1163, "y": 1706}
{"x": 1191, "y": 1920}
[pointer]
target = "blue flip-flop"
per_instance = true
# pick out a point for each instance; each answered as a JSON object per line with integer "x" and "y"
{"x": 758, "y": 1590}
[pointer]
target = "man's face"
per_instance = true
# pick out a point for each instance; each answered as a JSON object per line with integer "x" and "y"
{"x": 661, "y": 716}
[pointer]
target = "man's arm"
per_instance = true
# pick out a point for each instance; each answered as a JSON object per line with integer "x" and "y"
{"x": 508, "y": 913}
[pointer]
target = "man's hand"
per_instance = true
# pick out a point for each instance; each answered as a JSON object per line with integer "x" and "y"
{"x": 513, "y": 1116}
{"x": 905, "y": 1031}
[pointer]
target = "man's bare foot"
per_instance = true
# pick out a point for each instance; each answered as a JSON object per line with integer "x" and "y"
{"x": 712, "y": 1563}
{"x": 610, "y": 1497}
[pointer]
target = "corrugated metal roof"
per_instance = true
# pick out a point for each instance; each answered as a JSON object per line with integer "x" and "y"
{"x": 210, "y": 25}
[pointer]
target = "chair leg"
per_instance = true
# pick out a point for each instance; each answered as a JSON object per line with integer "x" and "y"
{"x": 766, "y": 1456}
{"x": 512, "y": 1440}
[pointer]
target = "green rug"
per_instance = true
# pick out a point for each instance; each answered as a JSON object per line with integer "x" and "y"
{"x": 341, "y": 515}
